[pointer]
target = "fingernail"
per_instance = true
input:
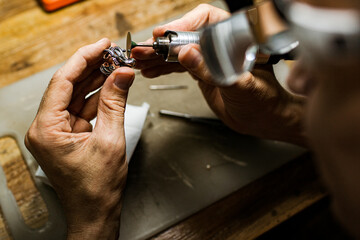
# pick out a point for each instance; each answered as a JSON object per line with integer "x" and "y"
{"x": 123, "y": 81}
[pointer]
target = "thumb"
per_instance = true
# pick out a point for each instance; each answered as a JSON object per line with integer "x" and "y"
{"x": 112, "y": 102}
{"x": 191, "y": 58}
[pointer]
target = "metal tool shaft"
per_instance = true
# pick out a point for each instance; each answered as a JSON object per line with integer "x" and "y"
{"x": 169, "y": 45}
{"x": 143, "y": 45}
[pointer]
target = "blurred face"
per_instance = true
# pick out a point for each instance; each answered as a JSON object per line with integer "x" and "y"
{"x": 333, "y": 123}
{"x": 329, "y": 74}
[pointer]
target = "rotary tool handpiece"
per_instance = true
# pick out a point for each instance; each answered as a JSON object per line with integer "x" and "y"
{"x": 170, "y": 44}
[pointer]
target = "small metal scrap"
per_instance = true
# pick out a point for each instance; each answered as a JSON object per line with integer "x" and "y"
{"x": 114, "y": 58}
{"x": 186, "y": 116}
{"x": 166, "y": 87}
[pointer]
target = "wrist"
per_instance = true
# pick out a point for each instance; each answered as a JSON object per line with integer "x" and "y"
{"x": 291, "y": 125}
{"x": 106, "y": 228}
{"x": 98, "y": 222}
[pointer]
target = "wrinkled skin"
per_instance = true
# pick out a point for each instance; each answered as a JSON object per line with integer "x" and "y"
{"x": 256, "y": 104}
{"x": 88, "y": 169}
{"x": 86, "y": 166}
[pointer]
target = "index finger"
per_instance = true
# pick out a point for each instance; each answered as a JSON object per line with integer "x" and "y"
{"x": 58, "y": 95}
{"x": 199, "y": 17}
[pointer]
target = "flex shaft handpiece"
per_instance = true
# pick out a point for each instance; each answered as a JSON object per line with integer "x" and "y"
{"x": 171, "y": 43}
{"x": 168, "y": 45}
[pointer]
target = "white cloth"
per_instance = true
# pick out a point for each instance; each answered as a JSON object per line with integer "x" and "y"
{"x": 134, "y": 122}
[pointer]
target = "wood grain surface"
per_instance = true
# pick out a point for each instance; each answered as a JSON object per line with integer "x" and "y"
{"x": 21, "y": 184}
{"x": 256, "y": 208}
{"x": 32, "y": 40}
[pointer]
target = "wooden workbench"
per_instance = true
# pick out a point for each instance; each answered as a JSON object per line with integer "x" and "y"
{"x": 32, "y": 40}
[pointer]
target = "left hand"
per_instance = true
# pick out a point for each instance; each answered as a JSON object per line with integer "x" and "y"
{"x": 87, "y": 167}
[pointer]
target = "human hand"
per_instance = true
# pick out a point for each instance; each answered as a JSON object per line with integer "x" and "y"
{"x": 152, "y": 65}
{"x": 255, "y": 105}
{"x": 87, "y": 167}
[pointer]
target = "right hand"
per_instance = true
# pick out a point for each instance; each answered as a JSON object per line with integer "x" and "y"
{"x": 152, "y": 65}
{"x": 255, "y": 105}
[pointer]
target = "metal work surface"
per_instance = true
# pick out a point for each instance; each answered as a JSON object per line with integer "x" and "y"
{"x": 178, "y": 167}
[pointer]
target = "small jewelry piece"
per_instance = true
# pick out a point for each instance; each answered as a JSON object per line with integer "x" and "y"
{"x": 114, "y": 58}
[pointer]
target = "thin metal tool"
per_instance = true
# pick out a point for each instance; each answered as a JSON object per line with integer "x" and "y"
{"x": 167, "y": 87}
{"x": 186, "y": 116}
